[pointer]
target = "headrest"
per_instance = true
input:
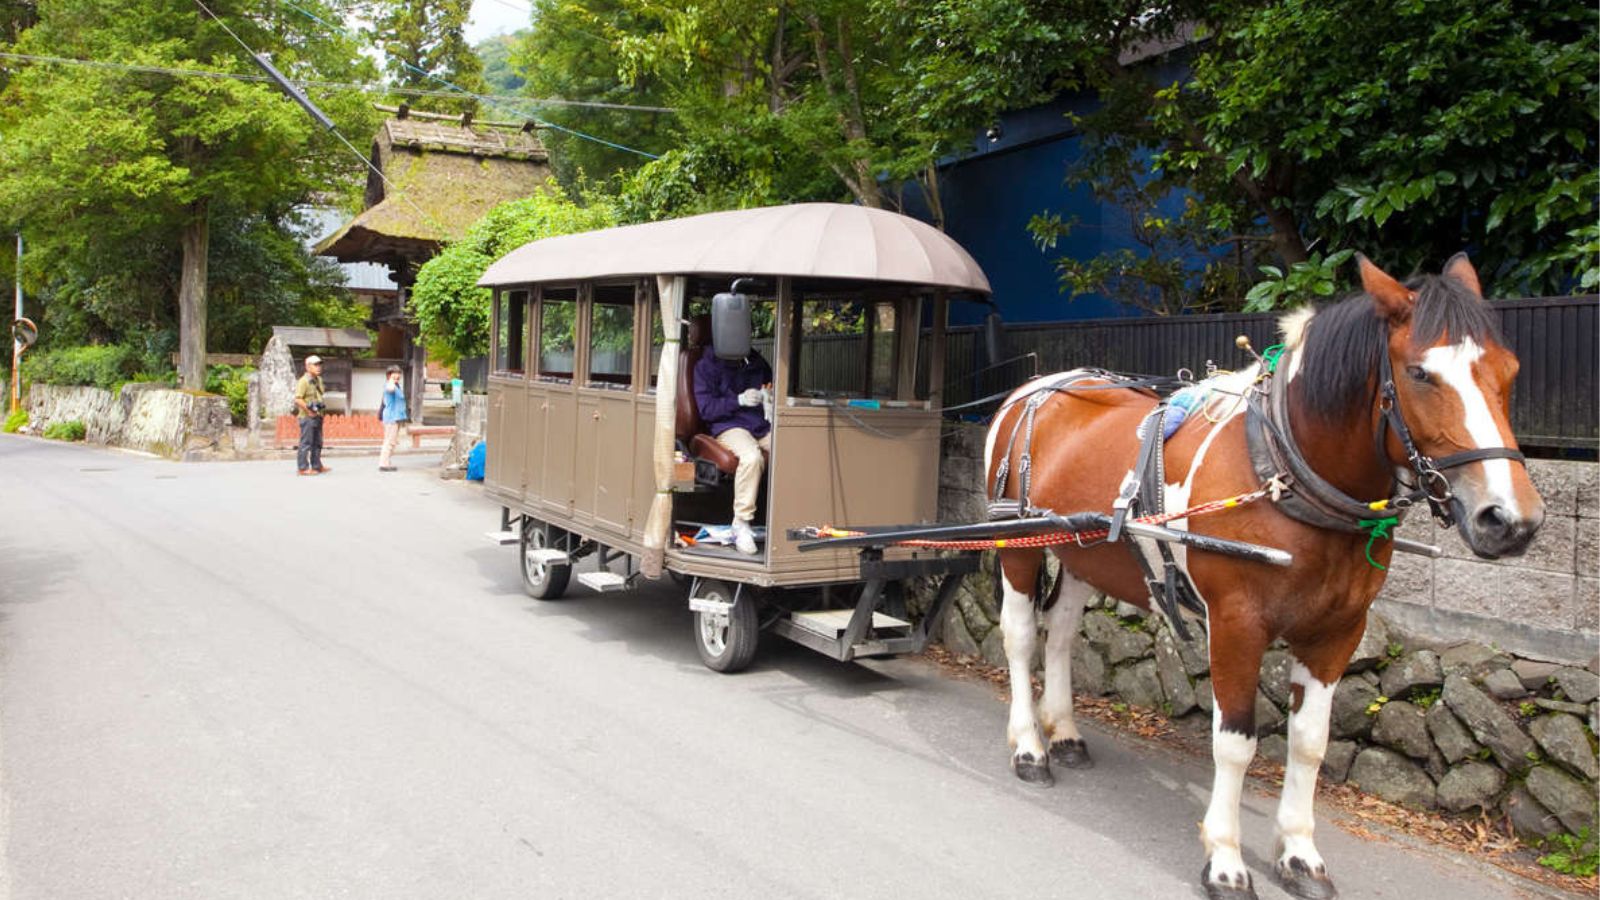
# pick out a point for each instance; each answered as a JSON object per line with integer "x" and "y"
{"x": 699, "y": 330}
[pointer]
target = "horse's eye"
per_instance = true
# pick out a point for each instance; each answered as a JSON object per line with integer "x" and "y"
{"x": 1418, "y": 373}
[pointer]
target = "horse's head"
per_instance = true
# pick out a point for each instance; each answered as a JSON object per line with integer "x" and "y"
{"x": 1452, "y": 388}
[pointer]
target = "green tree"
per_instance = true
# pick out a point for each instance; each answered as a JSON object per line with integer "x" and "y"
{"x": 425, "y": 40}
{"x": 93, "y": 161}
{"x": 1309, "y": 128}
{"x": 499, "y": 73}
{"x": 570, "y": 53}
{"x": 452, "y": 311}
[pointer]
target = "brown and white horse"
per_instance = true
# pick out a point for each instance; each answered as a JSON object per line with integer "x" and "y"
{"x": 1451, "y": 387}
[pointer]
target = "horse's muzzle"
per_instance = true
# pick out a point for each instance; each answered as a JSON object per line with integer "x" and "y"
{"x": 1493, "y": 531}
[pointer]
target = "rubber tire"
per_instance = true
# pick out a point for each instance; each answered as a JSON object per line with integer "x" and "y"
{"x": 553, "y": 585}
{"x": 740, "y": 637}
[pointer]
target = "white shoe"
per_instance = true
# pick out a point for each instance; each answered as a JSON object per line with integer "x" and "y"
{"x": 743, "y": 538}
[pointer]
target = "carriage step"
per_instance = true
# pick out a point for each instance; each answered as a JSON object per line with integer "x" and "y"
{"x": 604, "y": 582}
{"x": 831, "y": 623}
{"x": 503, "y": 537}
{"x": 551, "y": 557}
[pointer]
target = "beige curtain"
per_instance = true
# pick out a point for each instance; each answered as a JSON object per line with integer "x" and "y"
{"x": 658, "y": 527}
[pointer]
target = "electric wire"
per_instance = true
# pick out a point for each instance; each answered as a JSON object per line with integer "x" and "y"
{"x": 323, "y": 85}
{"x": 480, "y": 97}
{"x": 444, "y": 233}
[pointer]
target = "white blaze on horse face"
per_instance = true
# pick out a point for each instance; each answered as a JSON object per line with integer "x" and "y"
{"x": 1452, "y": 364}
{"x": 1308, "y": 742}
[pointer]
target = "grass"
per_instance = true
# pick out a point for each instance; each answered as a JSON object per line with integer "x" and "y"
{"x": 15, "y": 421}
{"x": 70, "y": 430}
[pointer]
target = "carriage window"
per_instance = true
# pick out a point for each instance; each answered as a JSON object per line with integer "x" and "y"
{"x": 658, "y": 340}
{"x": 847, "y": 348}
{"x": 558, "y": 319}
{"x": 611, "y": 336}
{"x": 509, "y": 330}
{"x": 884, "y": 349}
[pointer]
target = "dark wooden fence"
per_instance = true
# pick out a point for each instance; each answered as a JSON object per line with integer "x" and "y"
{"x": 1553, "y": 407}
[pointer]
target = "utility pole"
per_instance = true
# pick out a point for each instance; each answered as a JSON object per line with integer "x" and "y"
{"x": 16, "y": 339}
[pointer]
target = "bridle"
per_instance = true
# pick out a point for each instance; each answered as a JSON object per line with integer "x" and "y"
{"x": 1431, "y": 483}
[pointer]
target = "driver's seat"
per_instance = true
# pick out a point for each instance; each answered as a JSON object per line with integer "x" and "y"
{"x": 690, "y": 430}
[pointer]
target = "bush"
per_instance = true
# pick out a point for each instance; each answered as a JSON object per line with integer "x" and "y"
{"x": 15, "y": 421}
{"x": 70, "y": 430}
{"x": 233, "y": 383}
{"x": 104, "y": 366}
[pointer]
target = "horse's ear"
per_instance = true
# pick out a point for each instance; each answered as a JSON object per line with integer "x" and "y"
{"x": 1393, "y": 300}
{"x": 1460, "y": 268}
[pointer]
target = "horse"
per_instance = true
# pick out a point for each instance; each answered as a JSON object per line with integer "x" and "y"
{"x": 1329, "y": 440}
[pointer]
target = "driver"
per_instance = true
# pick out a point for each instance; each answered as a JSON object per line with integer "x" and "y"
{"x": 729, "y": 394}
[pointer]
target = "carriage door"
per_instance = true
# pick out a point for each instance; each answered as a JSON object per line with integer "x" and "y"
{"x": 606, "y": 403}
{"x": 558, "y": 358}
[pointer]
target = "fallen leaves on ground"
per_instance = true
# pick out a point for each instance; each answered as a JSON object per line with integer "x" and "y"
{"x": 1486, "y": 838}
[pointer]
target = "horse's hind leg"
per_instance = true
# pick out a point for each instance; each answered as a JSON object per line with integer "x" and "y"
{"x": 1055, "y": 707}
{"x": 1236, "y": 650}
{"x": 1299, "y": 868}
{"x": 1019, "y": 626}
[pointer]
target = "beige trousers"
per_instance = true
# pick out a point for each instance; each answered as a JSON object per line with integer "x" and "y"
{"x": 747, "y": 480}
{"x": 391, "y": 437}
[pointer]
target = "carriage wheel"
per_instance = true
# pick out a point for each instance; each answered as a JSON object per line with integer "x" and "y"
{"x": 541, "y": 580}
{"x": 726, "y": 641}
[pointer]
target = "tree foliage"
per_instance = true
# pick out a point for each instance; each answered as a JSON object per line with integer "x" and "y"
{"x": 424, "y": 41}
{"x": 120, "y": 178}
{"x": 452, "y": 311}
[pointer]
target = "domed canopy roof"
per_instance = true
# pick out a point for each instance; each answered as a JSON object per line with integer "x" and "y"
{"x": 804, "y": 240}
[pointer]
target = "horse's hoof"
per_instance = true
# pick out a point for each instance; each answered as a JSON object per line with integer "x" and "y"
{"x": 1300, "y": 880}
{"x": 1033, "y": 771}
{"x": 1225, "y": 888}
{"x": 1072, "y": 753}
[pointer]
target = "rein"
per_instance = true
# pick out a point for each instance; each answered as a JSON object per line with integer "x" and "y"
{"x": 1431, "y": 483}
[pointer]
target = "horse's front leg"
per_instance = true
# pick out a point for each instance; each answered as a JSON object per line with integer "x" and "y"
{"x": 1299, "y": 867}
{"x": 1019, "y": 626}
{"x": 1067, "y": 747}
{"x": 1235, "y": 670}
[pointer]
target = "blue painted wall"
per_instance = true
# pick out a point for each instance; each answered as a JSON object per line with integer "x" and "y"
{"x": 992, "y": 192}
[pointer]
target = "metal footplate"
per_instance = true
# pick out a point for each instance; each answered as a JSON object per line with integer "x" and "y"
{"x": 830, "y": 623}
{"x": 508, "y": 536}
{"x": 550, "y": 557}
{"x": 603, "y": 582}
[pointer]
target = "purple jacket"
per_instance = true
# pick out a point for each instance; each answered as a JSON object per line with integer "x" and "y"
{"x": 717, "y": 386}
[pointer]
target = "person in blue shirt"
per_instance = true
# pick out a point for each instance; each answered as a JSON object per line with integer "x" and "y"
{"x": 729, "y": 394}
{"x": 392, "y": 414}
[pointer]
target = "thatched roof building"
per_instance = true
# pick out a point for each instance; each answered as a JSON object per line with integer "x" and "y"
{"x": 447, "y": 172}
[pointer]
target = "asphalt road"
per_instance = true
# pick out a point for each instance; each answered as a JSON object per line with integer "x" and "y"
{"x": 221, "y": 680}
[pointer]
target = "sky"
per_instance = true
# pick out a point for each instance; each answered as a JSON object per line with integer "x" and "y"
{"x": 492, "y": 17}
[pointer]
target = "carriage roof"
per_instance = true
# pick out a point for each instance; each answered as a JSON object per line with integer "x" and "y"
{"x": 805, "y": 240}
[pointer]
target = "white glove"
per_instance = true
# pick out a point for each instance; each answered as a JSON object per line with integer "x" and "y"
{"x": 751, "y": 397}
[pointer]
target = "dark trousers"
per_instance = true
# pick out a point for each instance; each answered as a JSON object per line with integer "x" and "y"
{"x": 310, "y": 453}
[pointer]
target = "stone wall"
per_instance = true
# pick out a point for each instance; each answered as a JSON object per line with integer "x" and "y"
{"x": 1433, "y": 712}
{"x": 1545, "y": 603}
{"x": 472, "y": 426}
{"x": 149, "y": 417}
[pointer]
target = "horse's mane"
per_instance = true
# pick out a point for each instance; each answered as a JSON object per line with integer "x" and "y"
{"x": 1342, "y": 345}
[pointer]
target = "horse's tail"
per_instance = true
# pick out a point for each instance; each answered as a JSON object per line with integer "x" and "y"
{"x": 1041, "y": 599}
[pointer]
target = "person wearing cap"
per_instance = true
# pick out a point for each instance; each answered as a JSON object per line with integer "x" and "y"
{"x": 393, "y": 414}
{"x": 309, "y": 405}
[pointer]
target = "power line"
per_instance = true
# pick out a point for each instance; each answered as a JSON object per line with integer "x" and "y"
{"x": 325, "y": 85}
{"x": 463, "y": 92}
{"x": 444, "y": 233}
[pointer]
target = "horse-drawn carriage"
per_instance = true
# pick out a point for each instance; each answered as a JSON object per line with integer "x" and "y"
{"x": 1265, "y": 516}
{"x": 596, "y": 447}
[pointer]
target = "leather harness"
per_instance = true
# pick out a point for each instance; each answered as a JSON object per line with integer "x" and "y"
{"x": 1297, "y": 490}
